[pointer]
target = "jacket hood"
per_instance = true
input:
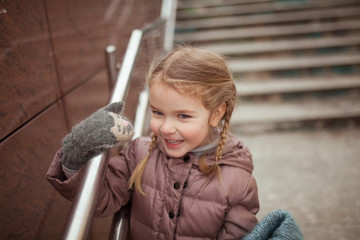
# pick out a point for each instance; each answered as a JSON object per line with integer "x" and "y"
{"x": 235, "y": 154}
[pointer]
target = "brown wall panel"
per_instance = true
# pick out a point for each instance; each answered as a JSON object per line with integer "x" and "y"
{"x": 78, "y": 33}
{"x": 89, "y": 97}
{"x": 28, "y": 81}
{"x": 25, "y": 157}
{"x": 54, "y": 219}
{"x": 81, "y": 30}
{"x": 52, "y": 75}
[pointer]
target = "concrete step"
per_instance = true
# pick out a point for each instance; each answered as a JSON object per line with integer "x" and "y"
{"x": 290, "y": 63}
{"x": 275, "y": 86}
{"x": 272, "y": 116}
{"x": 253, "y": 32}
{"x": 266, "y": 18}
{"x": 277, "y": 6}
{"x": 236, "y": 48}
{"x": 184, "y": 5}
{"x": 267, "y": 31}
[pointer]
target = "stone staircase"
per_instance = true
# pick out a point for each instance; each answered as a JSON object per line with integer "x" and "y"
{"x": 296, "y": 62}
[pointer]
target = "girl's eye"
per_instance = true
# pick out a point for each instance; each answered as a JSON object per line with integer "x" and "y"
{"x": 184, "y": 116}
{"x": 156, "y": 113}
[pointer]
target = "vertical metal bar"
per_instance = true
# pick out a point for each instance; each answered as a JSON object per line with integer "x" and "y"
{"x": 141, "y": 114}
{"x": 111, "y": 65}
{"x": 168, "y": 11}
{"x": 120, "y": 224}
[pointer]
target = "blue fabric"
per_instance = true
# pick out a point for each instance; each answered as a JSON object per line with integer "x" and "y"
{"x": 278, "y": 225}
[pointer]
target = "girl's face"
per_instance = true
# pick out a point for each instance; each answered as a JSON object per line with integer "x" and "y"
{"x": 181, "y": 122}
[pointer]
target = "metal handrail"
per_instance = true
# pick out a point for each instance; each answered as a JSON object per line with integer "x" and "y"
{"x": 83, "y": 208}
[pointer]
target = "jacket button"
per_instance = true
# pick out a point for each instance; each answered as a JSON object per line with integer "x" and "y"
{"x": 177, "y": 185}
{"x": 171, "y": 215}
{"x": 186, "y": 158}
{"x": 185, "y": 184}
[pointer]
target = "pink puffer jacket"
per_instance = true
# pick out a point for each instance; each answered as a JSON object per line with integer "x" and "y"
{"x": 180, "y": 202}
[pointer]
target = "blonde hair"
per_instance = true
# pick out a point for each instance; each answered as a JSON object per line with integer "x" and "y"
{"x": 203, "y": 75}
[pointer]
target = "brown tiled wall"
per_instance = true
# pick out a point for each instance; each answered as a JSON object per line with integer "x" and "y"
{"x": 52, "y": 75}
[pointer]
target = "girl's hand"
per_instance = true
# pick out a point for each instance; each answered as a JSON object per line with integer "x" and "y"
{"x": 104, "y": 129}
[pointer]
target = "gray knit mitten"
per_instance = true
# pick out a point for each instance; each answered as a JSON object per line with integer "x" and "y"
{"x": 104, "y": 129}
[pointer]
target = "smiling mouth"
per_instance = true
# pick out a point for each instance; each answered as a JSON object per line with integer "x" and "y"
{"x": 173, "y": 141}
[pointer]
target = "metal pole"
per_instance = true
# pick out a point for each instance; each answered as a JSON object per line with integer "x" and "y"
{"x": 168, "y": 11}
{"x": 141, "y": 114}
{"x": 122, "y": 83}
{"x": 111, "y": 60}
{"x": 120, "y": 225}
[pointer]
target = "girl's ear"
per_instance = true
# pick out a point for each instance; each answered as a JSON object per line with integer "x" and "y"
{"x": 217, "y": 114}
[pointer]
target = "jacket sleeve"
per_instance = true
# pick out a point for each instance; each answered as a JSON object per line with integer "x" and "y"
{"x": 55, "y": 175}
{"x": 241, "y": 219}
{"x": 114, "y": 192}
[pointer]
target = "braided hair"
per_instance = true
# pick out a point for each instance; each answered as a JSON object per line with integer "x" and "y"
{"x": 136, "y": 176}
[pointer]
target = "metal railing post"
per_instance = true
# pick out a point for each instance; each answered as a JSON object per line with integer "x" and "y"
{"x": 111, "y": 65}
{"x": 120, "y": 225}
{"x": 141, "y": 114}
{"x": 168, "y": 12}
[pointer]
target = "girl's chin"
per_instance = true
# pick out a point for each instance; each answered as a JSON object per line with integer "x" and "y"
{"x": 175, "y": 152}
{"x": 175, "y": 155}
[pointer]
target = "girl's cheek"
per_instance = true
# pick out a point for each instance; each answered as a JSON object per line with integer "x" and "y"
{"x": 154, "y": 126}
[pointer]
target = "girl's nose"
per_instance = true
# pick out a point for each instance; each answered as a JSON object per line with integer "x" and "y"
{"x": 167, "y": 127}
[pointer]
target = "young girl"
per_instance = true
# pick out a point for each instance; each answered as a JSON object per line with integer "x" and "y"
{"x": 192, "y": 179}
